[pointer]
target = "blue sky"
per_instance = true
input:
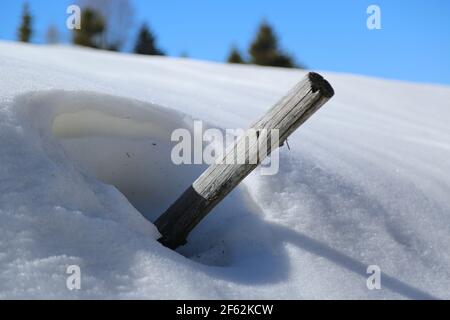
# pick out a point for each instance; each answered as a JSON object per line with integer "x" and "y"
{"x": 413, "y": 44}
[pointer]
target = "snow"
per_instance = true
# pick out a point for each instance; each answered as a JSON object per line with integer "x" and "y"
{"x": 85, "y": 154}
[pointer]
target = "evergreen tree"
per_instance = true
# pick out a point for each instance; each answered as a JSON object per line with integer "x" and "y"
{"x": 91, "y": 31}
{"x": 25, "y": 31}
{"x": 285, "y": 61}
{"x": 117, "y": 17}
{"x": 146, "y": 43}
{"x": 235, "y": 56}
{"x": 264, "y": 49}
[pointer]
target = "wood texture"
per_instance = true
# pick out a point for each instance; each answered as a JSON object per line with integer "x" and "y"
{"x": 221, "y": 178}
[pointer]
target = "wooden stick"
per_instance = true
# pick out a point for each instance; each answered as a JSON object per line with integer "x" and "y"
{"x": 219, "y": 179}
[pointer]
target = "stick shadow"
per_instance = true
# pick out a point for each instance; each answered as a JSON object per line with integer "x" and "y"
{"x": 255, "y": 236}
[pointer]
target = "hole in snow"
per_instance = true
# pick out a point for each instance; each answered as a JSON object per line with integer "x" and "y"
{"x": 133, "y": 154}
{"x": 128, "y": 145}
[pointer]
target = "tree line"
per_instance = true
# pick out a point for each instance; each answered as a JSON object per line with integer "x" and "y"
{"x": 106, "y": 24}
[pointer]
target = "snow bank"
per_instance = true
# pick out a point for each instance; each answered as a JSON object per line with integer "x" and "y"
{"x": 85, "y": 155}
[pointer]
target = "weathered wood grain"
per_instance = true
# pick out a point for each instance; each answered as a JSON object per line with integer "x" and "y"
{"x": 221, "y": 178}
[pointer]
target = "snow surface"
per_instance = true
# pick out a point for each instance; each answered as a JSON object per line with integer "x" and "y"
{"x": 367, "y": 182}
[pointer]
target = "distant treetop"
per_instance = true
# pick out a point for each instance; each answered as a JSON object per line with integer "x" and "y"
{"x": 264, "y": 49}
{"x": 235, "y": 56}
{"x": 93, "y": 26}
{"x": 25, "y": 31}
{"x": 146, "y": 42}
